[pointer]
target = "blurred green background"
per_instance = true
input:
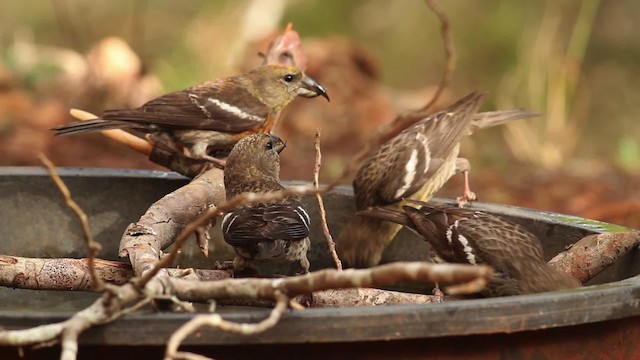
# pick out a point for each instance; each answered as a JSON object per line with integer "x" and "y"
{"x": 577, "y": 62}
{"x": 185, "y": 42}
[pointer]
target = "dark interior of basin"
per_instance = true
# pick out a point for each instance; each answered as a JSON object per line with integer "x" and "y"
{"x": 36, "y": 223}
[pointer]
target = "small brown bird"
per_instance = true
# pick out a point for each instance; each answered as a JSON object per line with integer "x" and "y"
{"x": 265, "y": 232}
{"x": 211, "y": 116}
{"x": 414, "y": 164}
{"x": 473, "y": 237}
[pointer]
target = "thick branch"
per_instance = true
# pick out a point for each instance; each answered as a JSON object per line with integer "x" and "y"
{"x": 73, "y": 274}
{"x": 379, "y": 276}
{"x": 93, "y": 248}
{"x": 156, "y": 230}
{"x": 366, "y": 297}
{"x": 594, "y": 253}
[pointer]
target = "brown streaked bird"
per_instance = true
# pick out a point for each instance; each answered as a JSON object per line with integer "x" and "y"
{"x": 414, "y": 164}
{"x": 473, "y": 237}
{"x": 211, "y": 116}
{"x": 276, "y": 231}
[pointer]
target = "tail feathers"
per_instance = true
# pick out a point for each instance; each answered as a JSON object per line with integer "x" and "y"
{"x": 90, "y": 126}
{"x": 494, "y": 118}
{"x": 386, "y": 214}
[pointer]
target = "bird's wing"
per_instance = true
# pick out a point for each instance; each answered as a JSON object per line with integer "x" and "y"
{"x": 250, "y": 225}
{"x": 494, "y": 118}
{"x": 406, "y": 162}
{"x": 286, "y": 222}
{"x": 241, "y": 227}
{"x": 221, "y": 105}
{"x": 445, "y": 129}
{"x": 467, "y": 236}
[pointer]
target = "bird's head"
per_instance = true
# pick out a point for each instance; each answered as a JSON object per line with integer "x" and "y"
{"x": 257, "y": 155}
{"x": 277, "y": 85}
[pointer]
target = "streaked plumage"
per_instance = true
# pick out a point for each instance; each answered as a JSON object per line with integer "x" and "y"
{"x": 211, "y": 116}
{"x": 414, "y": 164}
{"x": 275, "y": 231}
{"x": 472, "y": 237}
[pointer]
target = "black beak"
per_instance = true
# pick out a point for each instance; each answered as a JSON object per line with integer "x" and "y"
{"x": 278, "y": 144}
{"x": 311, "y": 88}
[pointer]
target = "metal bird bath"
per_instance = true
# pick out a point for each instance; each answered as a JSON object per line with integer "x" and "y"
{"x": 589, "y": 322}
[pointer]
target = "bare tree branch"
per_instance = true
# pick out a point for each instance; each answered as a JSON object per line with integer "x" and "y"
{"x": 93, "y": 248}
{"x": 594, "y": 253}
{"x": 375, "y": 277}
{"x": 73, "y": 274}
{"x": 323, "y": 214}
{"x": 403, "y": 121}
{"x": 215, "y": 320}
{"x": 449, "y": 50}
{"x": 144, "y": 240}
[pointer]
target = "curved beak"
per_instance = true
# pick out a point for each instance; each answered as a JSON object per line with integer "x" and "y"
{"x": 311, "y": 88}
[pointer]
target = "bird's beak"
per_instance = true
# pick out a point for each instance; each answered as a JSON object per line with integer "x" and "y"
{"x": 311, "y": 88}
{"x": 278, "y": 144}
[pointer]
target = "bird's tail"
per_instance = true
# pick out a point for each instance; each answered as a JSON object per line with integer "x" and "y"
{"x": 77, "y": 127}
{"x": 494, "y": 118}
{"x": 386, "y": 214}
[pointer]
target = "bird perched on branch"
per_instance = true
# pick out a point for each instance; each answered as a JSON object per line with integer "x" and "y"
{"x": 473, "y": 237}
{"x": 414, "y": 164}
{"x": 211, "y": 116}
{"x": 275, "y": 231}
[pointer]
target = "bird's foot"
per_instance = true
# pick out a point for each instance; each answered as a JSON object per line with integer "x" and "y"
{"x": 438, "y": 295}
{"x": 225, "y": 265}
{"x": 467, "y": 194}
{"x": 466, "y": 197}
{"x": 306, "y": 300}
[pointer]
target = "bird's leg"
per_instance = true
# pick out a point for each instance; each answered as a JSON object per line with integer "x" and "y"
{"x": 304, "y": 261}
{"x": 438, "y": 295}
{"x": 162, "y": 142}
{"x": 199, "y": 152}
{"x": 463, "y": 166}
{"x": 304, "y": 264}
{"x": 467, "y": 194}
{"x": 225, "y": 265}
{"x": 217, "y": 162}
{"x": 242, "y": 267}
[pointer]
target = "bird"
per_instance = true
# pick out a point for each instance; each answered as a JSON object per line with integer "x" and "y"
{"x": 464, "y": 236}
{"x": 211, "y": 116}
{"x": 268, "y": 232}
{"x": 414, "y": 164}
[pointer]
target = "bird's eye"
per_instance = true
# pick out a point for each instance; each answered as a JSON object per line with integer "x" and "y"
{"x": 269, "y": 145}
{"x": 288, "y": 78}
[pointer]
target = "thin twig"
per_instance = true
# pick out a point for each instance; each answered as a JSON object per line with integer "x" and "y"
{"x": 449, "y": 51}
{"x": 323, "y": 213}
{"x": 144, "y": 301}
{"x": 403, "y": 121}
{"x": 215, "y": 320}
{"x": 326, "y": 279}
{"x": 93, "y": 248}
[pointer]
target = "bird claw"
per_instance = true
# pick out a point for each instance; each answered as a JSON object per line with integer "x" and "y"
{"x": 438, "y": 295}
{"x": 466, "y": 197}
{"x": 225, "y": 265}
